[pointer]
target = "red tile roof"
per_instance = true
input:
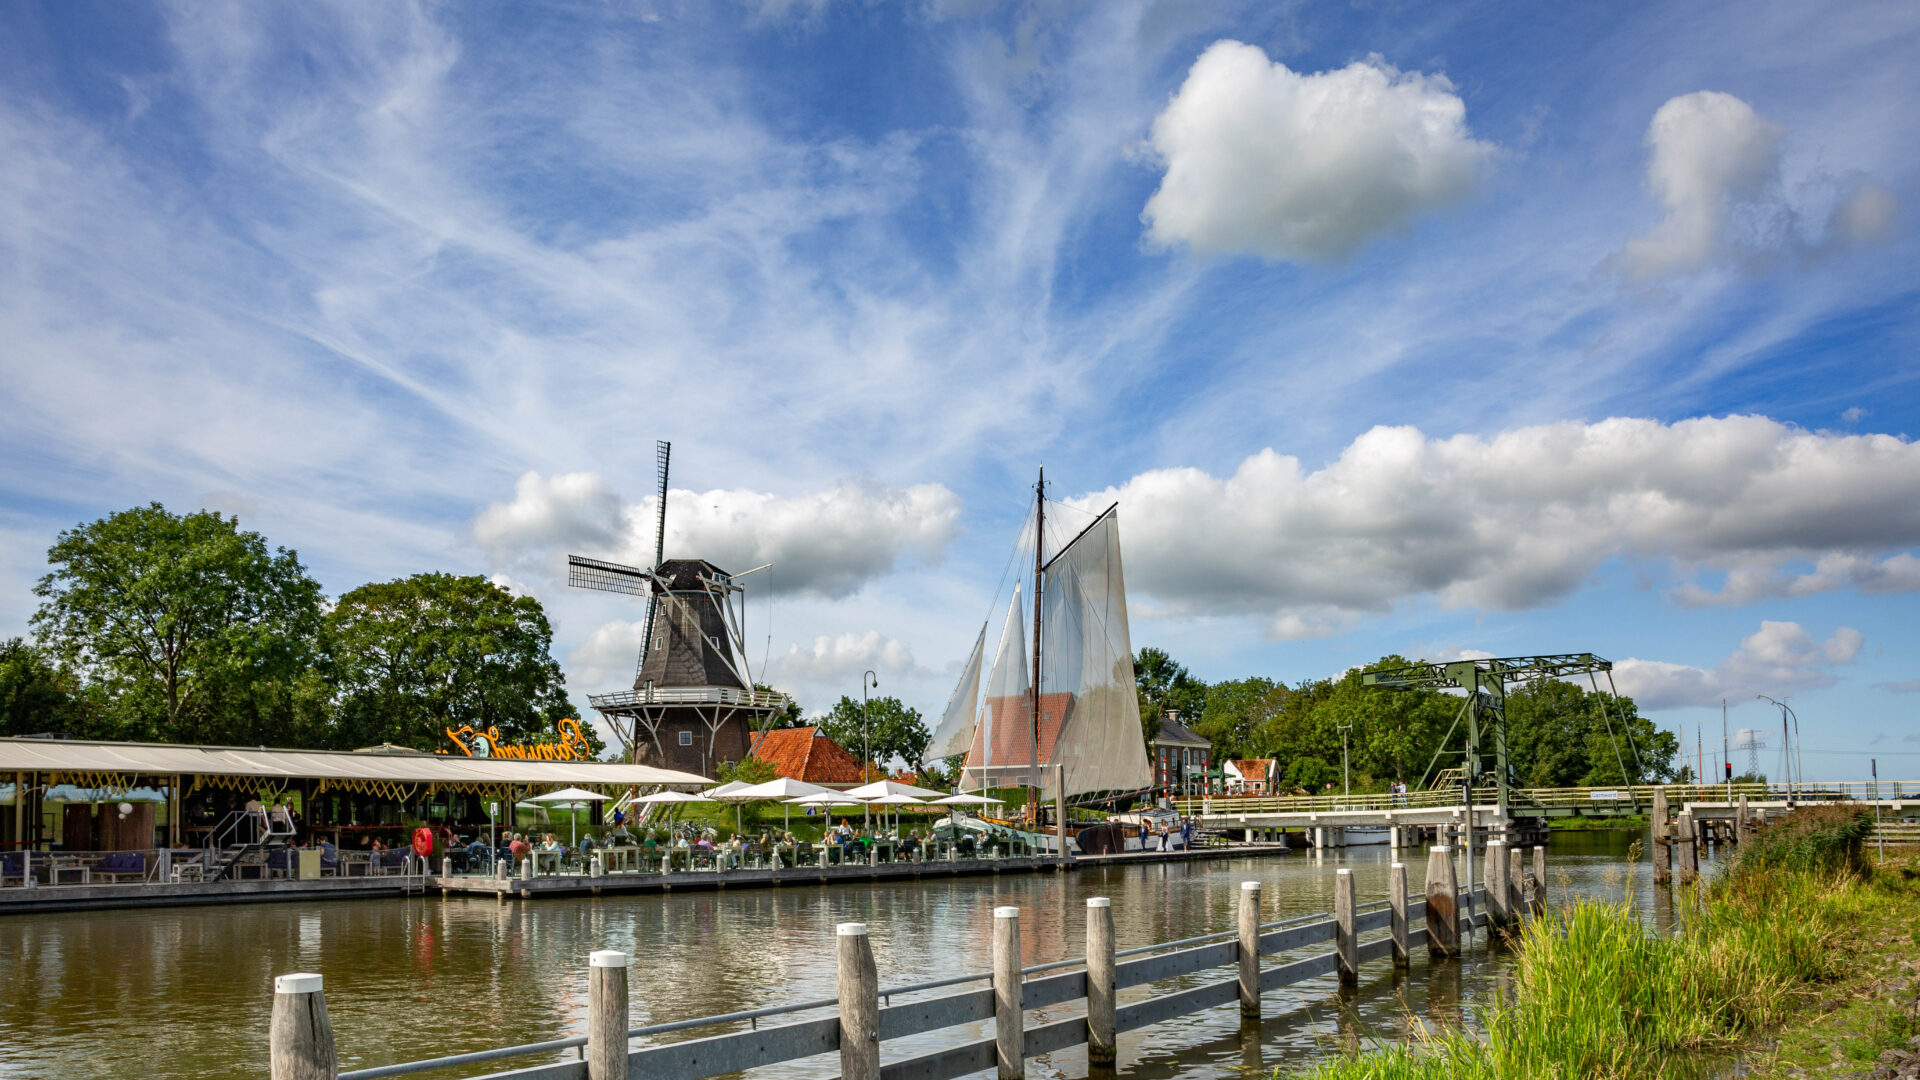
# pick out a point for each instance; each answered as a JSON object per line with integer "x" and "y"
{"x": 802, "y": 753}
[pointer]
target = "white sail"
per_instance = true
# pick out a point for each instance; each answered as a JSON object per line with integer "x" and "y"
{"x": 1002, "y": 748}
{"x": 1086, "y": 671}
{"x": 954, "y": 735}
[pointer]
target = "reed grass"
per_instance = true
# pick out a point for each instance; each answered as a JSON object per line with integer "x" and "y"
{"x": 1597, "y": 993}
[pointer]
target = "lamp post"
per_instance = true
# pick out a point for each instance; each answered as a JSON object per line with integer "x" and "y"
{"x": 1786, "y": 734}
{"x": 1346, "y": 777}
{"x": 866, "y": 740}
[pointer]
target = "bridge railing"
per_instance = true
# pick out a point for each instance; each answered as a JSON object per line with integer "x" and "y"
{"x": 1616, "y": 796}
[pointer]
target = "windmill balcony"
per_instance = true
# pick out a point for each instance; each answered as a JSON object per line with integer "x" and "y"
{"x": 690, "y": 695}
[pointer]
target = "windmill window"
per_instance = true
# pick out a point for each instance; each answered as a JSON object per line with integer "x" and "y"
{"x": 686, "y": 738}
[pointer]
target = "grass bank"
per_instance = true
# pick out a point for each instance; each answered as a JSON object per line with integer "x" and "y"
{"x": 1597, "y": 993}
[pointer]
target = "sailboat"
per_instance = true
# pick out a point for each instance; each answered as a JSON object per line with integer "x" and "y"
{"x": 1068, "y": 723}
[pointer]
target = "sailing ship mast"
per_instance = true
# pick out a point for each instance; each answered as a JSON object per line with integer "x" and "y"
{"x": 1039, "y": 566}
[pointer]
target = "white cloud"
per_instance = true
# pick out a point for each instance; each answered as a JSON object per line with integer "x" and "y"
{"x": 817, "y": 674}
{"x": 1265, "y": 160}
{"x": 1835, "y": 570}
{"x": 1714, "y": 164}
{"x": 828, "y": 543}
{"x": 608, "y": 656}
{"x": 1779, "y": 657}
{"x": 1749, "y": 739}
{"x": 1520, "y": 519}
{"x": 1904, "y": 686}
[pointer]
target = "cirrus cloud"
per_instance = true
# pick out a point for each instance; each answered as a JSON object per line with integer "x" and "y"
{"x": 1264, "y": 160}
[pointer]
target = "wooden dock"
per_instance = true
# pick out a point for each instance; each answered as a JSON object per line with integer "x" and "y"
{"x": 160, "y": 894}
{"x": 868, "y": 1015}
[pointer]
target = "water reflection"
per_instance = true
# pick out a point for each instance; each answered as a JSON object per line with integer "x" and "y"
{"x": 92, "y": 994}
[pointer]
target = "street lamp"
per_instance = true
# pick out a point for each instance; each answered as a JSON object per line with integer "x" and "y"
{"x": 1786, "y": 753}
{"x": 1346, "y": 777}
{"x": 866, "y": 740}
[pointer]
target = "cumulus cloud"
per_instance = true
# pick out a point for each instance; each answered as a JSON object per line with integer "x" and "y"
{"x": 1519, "y": 519}
{"x": 1264, "y": 160}
{"x": 1778, "y": 657}
{"x": 827, "y": 543}
{"x": 1835, "y": 570}
{"x": 1904, "y": 686}
{"x": 608, "y": 656}
{"x": 817, "y": 674}
{"x": 1714, "y": 164}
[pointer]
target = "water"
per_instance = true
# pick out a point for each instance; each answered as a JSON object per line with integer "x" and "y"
{"x": 186, "y": 992}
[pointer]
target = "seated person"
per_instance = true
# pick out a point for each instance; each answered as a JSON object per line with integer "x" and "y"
{"x": 909, "y": 843}
{"x": 518, "y": 849}
{"x": 478, "y": 853}
{"x": 588, "y": 844}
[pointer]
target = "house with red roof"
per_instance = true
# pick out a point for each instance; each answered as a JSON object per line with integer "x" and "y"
{"x": 807, "y": 755}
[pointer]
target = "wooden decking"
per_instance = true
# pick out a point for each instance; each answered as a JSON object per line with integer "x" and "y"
{"x": 96, "y": 897}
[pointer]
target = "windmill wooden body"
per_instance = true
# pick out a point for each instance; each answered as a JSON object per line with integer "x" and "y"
{"x": 693, "y": 703}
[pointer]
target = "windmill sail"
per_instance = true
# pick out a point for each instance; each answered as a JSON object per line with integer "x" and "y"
{"x": 1089, "y": 706}
{"x": 955, "y": 731}
{"x": 1002, "y": 749}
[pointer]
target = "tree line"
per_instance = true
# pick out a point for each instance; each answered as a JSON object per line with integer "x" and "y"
{"x": 1558, "y": 734}
{"x": 164, "y": 627}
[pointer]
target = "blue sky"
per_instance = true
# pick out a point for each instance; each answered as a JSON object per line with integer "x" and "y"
{"x": 1393, "y": 328}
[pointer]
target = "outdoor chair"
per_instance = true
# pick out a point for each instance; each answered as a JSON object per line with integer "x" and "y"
{"x": 119, "y": 865}
{"x": 13, "y": 866}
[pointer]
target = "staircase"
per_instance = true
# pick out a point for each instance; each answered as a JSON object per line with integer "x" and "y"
{"x": 242, "y": 833}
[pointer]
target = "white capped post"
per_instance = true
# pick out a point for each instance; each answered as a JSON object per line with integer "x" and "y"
{"x": 1009, "y": 1032}
{"x": 608, "y": 1015}
{"x": 299, "y": 1036}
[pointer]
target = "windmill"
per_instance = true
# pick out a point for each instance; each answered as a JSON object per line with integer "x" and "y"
{"x": 693, "y": 702}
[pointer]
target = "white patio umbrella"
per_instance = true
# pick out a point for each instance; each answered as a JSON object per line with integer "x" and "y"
{"x": 571, "y": 797}
{"x": 826, "y": 797}
{"x": 784, "y": 788}
{"x": 730, "y": 792}
{"x": 893, "y": 787}
{"x": 671, "y": 797}
{"x": 896, "y": 800}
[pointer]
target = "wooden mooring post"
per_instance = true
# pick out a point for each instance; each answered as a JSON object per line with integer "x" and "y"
{"x": 1249, "y": 942}
{"x": 1516, "y": 885}
{"x": 1539, "y": 880}
{"x": 1346, "y": 937}
{"x": 1686, "y": 849}
{"x": 1103, "y": 1045}
{"x": 1657, "y": 836}
{"x": 1397, "y": 898}
{"x": 859, "y": 993}
{"x": 300, "y": 1038}
{"x": 608, "y": 1015}
{"x": 1498, "y": 914}
{"x": 1443, "y": 892}
{"x": 1009, "y": 1034}
{"x": 1742, "y": 822}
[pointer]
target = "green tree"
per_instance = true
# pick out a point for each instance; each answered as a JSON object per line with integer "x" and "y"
{"x": 39, "y": 696}
{"x": 1236, "y": 712}
{"x": 414, "y": 657}
{"x": 1561, "y": 734}
{"x": 1163, "y": 685}
{"x": 182, "y": 622}
{"x": 787, "y": 717}
{"x": 889, "y": 728}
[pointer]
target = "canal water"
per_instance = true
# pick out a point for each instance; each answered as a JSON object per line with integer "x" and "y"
{"x": 181, "y": 993}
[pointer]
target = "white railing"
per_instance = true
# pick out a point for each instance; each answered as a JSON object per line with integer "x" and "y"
{"x": 690, "y": 695}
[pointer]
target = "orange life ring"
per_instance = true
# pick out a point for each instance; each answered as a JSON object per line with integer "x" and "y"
{"x": 423, "y": 842}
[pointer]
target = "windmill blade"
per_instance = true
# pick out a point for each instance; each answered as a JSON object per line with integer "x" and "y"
{"x": 585, "y": 573}
{"x": 663, "y": 456}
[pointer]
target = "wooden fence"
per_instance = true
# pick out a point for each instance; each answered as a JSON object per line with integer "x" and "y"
{"x": 303, "y": 1047}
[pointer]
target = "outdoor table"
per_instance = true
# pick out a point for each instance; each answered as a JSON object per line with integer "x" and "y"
{"x": 620, "y": 858}
{"x": 886, "y": 850}
{"x": 67, "y": 865}
{"x": 543, "y": 858}
{"x": 681, "y": 858}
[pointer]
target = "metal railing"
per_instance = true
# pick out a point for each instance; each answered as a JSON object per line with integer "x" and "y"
{"x": 1618, "y": 796}
{"x": 690, "y": 695}
{"x": 1162, "y": 961}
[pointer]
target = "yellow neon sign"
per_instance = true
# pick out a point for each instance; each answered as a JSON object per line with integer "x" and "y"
{"x": 573, "y": 745}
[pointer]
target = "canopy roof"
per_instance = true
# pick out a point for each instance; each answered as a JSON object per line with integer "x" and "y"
{"x": 162, "y": 759}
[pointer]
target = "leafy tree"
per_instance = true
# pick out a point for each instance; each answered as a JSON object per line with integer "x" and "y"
{"x": 791, "y": 716}
{"x": 752, "y": 770}
{"x": 414, "y": 657}
{"x": 1236, "y": 711}
{"x": 895, "y": 730}
{"x": 179, "y": 620}
{"x": 1164, "y": 685}
{"x": 1561, "y": 734}
{"x": 37, "y": 695}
